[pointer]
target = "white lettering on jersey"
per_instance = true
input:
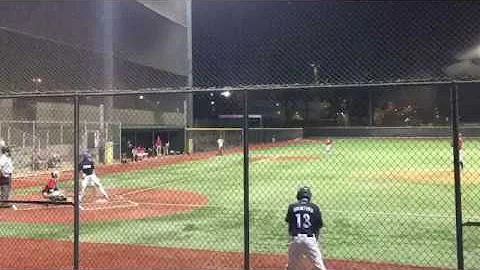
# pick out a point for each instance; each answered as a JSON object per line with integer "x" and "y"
{"x": 303, "y": 208}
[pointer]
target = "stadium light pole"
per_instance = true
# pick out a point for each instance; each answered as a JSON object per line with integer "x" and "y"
{"x": 226, "y": 94}
{"x": 315, "y": 73}
{"x": 188, "y": 102}
{"x": 246, "y": 186}
{"x": 36, "y": 83}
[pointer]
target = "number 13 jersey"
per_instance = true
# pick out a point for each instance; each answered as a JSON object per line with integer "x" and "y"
{"x": 304, "y": 217}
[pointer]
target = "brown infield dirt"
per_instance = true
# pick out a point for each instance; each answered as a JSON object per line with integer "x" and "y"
{"x": 44, "y": 254}
{"x": 433, "y": 177}
{"x": 135, "y": 204}
{"x": 123, "y": 204}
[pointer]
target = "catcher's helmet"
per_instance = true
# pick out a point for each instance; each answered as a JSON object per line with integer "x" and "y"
{"x": 55, "y": 174}
{"x": 6, "y": 150}
{"x": 304, "y": 192}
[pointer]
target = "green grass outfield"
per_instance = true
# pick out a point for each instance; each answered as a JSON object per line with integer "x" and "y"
{"x": 371, "y": 213}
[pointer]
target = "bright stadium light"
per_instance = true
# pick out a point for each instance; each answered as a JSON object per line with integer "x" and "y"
{"x": 140, "y": 97}
{"x": 315, "y": 73}
{"x": 36, "y": 83}
{"x": 226, "y": 94}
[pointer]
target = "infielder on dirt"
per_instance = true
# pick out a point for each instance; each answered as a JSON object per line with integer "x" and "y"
{"x": 220, "y": 142}
{"x": 328, "y": 145}
{"x": 304, "y": 222}
{"x": 87, "y": 167}
{"x": 460, "y": 149}
{"x": 461, "y": 144}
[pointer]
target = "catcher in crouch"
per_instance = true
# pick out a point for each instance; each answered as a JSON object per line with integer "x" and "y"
{"x": 51, "y": 191}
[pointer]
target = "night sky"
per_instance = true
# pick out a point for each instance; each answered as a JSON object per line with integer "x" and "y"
{"x": 245, "y": 43}
{"x": 252, "y": 42}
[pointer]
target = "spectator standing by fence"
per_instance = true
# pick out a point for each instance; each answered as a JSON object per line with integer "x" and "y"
{"x": 158, "y": 146}
{"x": 166, "y": 148}
{"x": 130, "y": 152}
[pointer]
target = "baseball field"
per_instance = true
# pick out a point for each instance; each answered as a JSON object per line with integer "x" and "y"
{"x": 385, "y": 202}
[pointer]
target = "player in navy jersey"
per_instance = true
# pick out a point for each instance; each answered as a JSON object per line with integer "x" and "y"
{"x": 304, "y": 222}
{"x": 87, "y": 167}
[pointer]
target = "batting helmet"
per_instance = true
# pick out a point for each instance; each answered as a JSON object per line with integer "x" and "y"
{"x": 87, "y": 155}
{"x": 304, "y": 192}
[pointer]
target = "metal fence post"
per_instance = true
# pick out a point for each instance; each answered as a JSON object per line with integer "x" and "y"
{"x": 246, "y": 180}
{"x": 61, "y": 133}
{"x": 185, "y": 126}
{"x": 85, "y": 138}
{"x": 34, "y": 145}
{"x": 120, "y": 141}
{"x": 371, "y": 110}
{"x": 76, "y": 141}
{"x": 457, "y": 176}
{"x": 106, "y": 132}
{"x": 8, "y": 135}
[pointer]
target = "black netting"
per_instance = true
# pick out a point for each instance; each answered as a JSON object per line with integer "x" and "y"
{"x": 242, "y": 43}
{"x": 351, "y": 99}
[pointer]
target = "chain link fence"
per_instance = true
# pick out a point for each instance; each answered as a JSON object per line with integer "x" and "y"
{"x": 38, "y": 143}
{"x": 385, "y": 190}
{"x": 467, "y": 96}
{"x": 204, "y": 118}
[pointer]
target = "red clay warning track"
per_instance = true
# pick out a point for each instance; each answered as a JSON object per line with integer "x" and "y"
{"x": 44, "y": 254}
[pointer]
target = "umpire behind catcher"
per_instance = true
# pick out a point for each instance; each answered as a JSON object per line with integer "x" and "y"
{"x": 304, "y": 222}
{"x": 6, "y": 170}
